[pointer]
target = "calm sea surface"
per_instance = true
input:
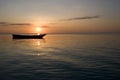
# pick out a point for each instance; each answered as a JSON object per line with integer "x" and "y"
{"x": 60, "y": 57}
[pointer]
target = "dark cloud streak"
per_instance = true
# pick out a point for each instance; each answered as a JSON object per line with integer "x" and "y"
{"x": 4, "y": 23}
{"x": 77, "y": 18}
{"x": 21, "y": 24}
{"x": 14, "y": 24}
{"x": 81, "y": 18}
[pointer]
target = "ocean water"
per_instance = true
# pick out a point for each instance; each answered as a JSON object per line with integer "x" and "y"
{"x": 60, "y": 57}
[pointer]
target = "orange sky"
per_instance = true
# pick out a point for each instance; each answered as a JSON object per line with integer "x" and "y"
{"x": 59, "y": 16}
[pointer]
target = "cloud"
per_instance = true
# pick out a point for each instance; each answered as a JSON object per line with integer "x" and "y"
{"x": 14, "y": 24}
{"x": 81, "y": 18}
{"x": 44, "y": 26}
{"x": 76, "y": 18}
{"x": 3, "y": 23}
{"x": 21, "y": 24}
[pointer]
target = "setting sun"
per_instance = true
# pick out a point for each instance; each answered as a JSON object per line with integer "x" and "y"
{"x": 38, "y": 29}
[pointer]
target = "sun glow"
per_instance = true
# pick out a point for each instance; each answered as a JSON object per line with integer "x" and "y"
{"x": 38, "y": 29}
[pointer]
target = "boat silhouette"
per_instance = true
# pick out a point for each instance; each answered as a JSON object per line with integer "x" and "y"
{"x": 22, "y": 36}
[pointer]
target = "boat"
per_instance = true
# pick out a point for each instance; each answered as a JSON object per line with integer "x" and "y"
{"x": 22, "y": 36}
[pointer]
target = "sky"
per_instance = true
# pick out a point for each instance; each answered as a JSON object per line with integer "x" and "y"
{"x": 60, "y": 16}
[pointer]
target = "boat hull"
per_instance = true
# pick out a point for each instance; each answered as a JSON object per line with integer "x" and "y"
{"x": 17, "y": 36}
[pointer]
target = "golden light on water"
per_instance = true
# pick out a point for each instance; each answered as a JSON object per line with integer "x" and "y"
{"x": 38, "y": 33}
{"x": 38, "y": 43}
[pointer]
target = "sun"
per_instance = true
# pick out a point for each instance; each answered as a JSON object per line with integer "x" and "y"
{"x": 38, "y": 29}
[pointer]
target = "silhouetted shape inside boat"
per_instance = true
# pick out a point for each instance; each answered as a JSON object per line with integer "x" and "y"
{"x": 21, "y": 36}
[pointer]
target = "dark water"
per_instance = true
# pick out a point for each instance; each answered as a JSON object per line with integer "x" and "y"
{"x": 60, "y": 57}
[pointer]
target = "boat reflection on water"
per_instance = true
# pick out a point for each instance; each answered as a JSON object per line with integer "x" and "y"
{"x": 31, "y": 42}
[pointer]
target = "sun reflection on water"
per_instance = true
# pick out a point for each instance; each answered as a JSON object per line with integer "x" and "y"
{"x": 38, "y": 33}
{"x": 38, "y": 43}
{"x": 40, "y": 54}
